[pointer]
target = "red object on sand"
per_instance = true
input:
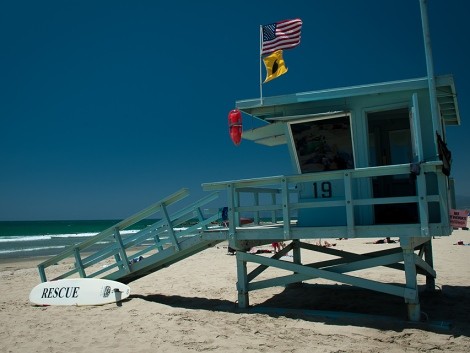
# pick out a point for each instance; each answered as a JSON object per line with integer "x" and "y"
{"x": 235, "y": 126}
{"x": 245, "y": 220}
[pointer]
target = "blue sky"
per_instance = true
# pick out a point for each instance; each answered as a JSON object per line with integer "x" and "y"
{"x": 109, "y": 106}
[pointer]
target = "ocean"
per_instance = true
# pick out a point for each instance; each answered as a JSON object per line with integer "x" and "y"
{"x": 23, "y": 239}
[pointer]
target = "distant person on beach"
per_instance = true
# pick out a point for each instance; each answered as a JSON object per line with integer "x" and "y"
{"x": 225, "y": 216}
{"x": 278, "y": 246}
{"x": 387, "y": 240}
{"x": 326, "y": 244}
{"x": 136, "y": 259}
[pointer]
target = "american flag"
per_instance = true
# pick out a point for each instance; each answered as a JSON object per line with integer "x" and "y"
{"x": 281, "y": 35}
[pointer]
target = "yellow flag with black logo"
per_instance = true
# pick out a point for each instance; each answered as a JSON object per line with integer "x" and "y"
{"x": 275, "y": 66}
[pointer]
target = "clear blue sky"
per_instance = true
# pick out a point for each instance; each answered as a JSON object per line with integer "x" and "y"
{"x": 109, "y": 106}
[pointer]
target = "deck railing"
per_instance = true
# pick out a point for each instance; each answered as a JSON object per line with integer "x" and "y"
{"x": 285, "y": 202}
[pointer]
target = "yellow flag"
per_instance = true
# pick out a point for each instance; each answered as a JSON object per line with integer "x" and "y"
{"x": 275, "y": 66}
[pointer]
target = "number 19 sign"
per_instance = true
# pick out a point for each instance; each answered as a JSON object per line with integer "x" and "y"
{"x": 322, "y": 191}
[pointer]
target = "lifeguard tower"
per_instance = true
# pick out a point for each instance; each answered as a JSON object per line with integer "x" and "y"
{"x": 369, "y": 161}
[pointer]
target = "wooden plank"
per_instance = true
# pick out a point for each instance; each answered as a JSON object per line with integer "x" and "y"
{"x": 336, "y": 277}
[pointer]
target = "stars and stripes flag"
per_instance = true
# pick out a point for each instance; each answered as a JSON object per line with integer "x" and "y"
{"x": 281, "y": 35}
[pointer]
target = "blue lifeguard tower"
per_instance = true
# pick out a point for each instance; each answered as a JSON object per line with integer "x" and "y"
{"x": 369, "y": 161}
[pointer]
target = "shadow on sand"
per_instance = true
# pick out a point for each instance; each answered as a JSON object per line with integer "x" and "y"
{"x": 443, "y": 310}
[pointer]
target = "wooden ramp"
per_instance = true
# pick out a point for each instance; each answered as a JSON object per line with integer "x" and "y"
{"x": 125, "y": 256}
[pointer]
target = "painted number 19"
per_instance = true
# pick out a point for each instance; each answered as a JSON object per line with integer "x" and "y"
{"x": 324, "y": 192}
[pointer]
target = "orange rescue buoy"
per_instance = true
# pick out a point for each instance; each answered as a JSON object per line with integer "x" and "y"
{"x": 235, "y": 126}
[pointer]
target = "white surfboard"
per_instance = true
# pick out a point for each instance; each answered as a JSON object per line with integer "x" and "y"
{"x": 79, "y": 291}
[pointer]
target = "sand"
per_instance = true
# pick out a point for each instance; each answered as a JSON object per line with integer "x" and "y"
{"x": 191, "y": 307}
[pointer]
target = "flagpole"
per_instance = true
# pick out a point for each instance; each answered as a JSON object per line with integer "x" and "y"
{"x": 430, "y": 68}
{"x": 436, "y": 121}
{"x": 260, "y": 66}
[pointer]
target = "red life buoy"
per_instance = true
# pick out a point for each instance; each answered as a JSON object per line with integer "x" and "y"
{"x": 235, "y": 126}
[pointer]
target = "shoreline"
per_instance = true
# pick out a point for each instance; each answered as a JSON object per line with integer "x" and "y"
{"x": 11, "y": 263}
{"x": 22, "y": 263}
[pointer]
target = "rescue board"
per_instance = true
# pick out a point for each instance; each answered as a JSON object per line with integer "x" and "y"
{"x": 79, "y": 291}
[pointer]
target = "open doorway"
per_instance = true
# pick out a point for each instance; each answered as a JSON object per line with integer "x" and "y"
{"x": 390, "y": 144}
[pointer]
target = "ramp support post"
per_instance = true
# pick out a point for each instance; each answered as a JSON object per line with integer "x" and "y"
{"x": 169, "y": 227}
{"x": 79, "y": 263}
{"x": 122, "y": 257}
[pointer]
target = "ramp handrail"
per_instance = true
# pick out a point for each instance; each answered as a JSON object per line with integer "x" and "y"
{"x": 161, "y": 232}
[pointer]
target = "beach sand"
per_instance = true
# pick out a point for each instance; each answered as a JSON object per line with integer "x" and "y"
{"x": 191, "y": 307}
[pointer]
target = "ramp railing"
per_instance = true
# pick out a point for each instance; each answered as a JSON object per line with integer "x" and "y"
{"x": 113, "y": 252}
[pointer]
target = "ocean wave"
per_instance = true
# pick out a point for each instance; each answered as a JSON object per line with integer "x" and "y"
{"x": 10, "y": 251}
{"x": 22, "y": 238}
{"x": 76, "y": 235}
